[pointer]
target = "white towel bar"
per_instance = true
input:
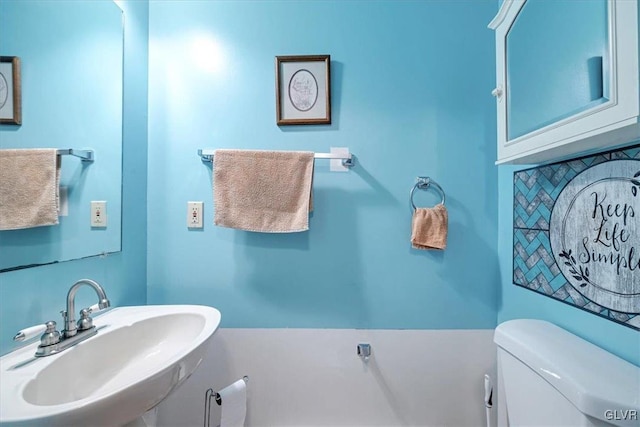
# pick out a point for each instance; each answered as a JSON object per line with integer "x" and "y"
{"x": 347, "y": 160}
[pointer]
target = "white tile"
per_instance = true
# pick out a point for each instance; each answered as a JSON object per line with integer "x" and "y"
{"x": 313, "y": 377}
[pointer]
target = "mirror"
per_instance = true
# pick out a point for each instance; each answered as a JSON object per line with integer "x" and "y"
{"x": 557, "y": 62}
{"x": 71, "y": 55}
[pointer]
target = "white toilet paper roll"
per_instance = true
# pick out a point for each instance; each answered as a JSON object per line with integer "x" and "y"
{"x": 234, "y": 404}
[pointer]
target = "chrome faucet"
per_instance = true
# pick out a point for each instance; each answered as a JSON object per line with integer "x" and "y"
{"x": 52, "y": 341}
{"x": 70, "y": 328}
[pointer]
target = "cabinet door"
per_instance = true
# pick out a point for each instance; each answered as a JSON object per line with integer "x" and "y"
{"x": 567, "y": 77}
{"x": 557, "y": 60}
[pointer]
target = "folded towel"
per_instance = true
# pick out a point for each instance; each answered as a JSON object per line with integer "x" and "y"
{"x": 264, "y": 191}
{"x": 29, "y": 183}
{"x": 429, "y": 228}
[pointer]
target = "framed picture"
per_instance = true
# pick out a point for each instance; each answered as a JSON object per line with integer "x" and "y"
{"x": 303, "y": 90}
{"x": 10, "y": 99}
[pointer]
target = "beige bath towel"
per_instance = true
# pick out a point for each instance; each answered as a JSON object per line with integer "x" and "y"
{"x": 29, "y": 182}
{"x": 429, "y": 228}
{"x": 264, "y": 191}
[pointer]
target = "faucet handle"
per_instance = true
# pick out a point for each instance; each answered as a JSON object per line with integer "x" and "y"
{"x": 102, "y": 305}
{"x": 51, "y": 335}
{"x": 85, "y": 322}
{"x": 48, "y": 334}
{"x": 30, "y": 332}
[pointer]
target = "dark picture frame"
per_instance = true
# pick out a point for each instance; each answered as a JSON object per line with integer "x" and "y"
{"x": 10, "y": 91}
{"x": 303, "y": 90}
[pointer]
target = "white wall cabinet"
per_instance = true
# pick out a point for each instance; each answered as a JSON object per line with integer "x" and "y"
{"x": 567, "y": 78}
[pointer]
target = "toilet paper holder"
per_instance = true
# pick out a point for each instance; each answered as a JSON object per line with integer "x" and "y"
{"x": 217, "y": 397}
{"x": 209, "y": 394}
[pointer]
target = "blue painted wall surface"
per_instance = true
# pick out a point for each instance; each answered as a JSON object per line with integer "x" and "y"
{"x": 410, "y": 85}
{"x": 38, "y": 294}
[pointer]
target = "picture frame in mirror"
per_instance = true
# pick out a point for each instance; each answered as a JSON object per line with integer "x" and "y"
{"x": 10, "y": 91}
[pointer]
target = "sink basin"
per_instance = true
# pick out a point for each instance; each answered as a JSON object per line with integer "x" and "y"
{"x": 138, "y": 357}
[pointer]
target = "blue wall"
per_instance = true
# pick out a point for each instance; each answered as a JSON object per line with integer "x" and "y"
{"x": 35, "y": 295}
{"x": 410, "y": 86}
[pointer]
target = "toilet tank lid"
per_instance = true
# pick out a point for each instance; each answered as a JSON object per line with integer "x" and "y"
{"x": 594, "y": 380}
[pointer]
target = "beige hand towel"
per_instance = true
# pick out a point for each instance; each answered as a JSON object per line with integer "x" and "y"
{"x": 264, "y": 191}
{"x": 429, "y": 228}
{"x": 29, "y": 183}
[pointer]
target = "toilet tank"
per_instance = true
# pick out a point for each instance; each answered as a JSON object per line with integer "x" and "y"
{"x": 550, "y": 377}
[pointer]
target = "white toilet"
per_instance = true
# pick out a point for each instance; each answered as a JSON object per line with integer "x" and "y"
{"x": 550, "y": 377}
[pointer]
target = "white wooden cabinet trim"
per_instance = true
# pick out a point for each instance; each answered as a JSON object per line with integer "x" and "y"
{"x": 604, "y": 126}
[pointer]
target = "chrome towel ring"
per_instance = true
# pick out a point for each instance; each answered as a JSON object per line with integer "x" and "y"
{"x": 423, "y": 182}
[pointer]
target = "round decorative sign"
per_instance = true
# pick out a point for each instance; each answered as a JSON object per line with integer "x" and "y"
{"x": 595, "y": 234}
{"x": 303, "y": 90}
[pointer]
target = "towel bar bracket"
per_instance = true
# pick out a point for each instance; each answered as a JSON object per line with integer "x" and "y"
{"x": 84, "y": 155}
{"x": 205, "y": 157}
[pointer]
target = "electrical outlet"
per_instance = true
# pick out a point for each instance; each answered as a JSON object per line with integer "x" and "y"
{"x": 99, "y": 214}
{"x": 194, "y": 214}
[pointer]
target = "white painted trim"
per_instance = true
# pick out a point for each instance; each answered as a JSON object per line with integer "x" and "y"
{"x": 614, "y": 135}
{"x": 503, "y": 12}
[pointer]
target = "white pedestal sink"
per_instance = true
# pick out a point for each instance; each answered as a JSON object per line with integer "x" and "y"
{"x": 138, "y": 357}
